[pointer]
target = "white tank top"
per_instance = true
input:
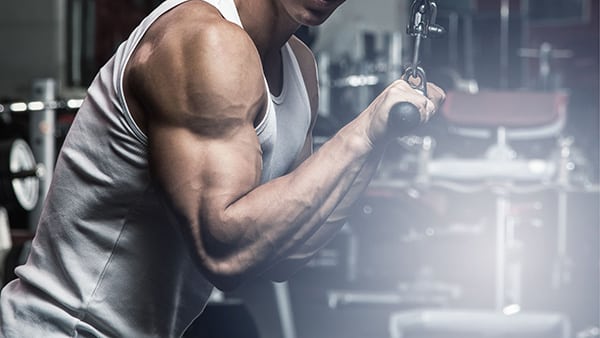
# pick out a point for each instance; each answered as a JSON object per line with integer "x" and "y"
{"x": 107, "y": 259}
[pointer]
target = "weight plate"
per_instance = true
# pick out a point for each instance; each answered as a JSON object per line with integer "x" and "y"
{"x": 15, "y": 157}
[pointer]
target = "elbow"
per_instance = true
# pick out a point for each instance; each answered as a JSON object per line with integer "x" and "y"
{"x": 225, "y": 276}
{"x": 225, "y": 268}
{"x": 228, "y": 275}
{"x": 221, "y": 259}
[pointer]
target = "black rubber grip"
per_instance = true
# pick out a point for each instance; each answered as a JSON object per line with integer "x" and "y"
{"x": 404, "y": 117}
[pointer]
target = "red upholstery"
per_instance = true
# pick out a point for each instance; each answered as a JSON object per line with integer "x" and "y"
{"x": 506, "y": 109}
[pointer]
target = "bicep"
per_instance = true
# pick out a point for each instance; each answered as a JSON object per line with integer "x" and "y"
{"x": 185, "y": 163}
{"x": 204, "y": 153}
{"x": 201, "y": 176}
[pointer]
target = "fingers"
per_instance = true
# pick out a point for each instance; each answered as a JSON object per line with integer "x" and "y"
{"x": 403, "y": 92}
{"x": 436, "y": 94}
{"x": 398, "y": 92}
{"x": 435, "y": 98}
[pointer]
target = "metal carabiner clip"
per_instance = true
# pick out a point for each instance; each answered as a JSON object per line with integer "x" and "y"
{"x": 416, "y": 78}
{"x": 422, "y": 24}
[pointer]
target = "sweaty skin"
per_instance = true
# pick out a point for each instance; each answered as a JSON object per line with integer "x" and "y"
{"x": 195, "y": 86}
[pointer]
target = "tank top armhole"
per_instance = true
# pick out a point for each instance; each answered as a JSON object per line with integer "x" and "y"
{"x": 137, "y": 131}
{"x": 128, "y": 48}
{"x": 260, "y": 128}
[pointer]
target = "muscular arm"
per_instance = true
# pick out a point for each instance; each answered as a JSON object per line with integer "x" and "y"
{"x": 201, "y": 95}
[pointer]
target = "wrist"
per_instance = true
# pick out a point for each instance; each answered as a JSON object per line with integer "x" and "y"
{"x": 360, "y": 136}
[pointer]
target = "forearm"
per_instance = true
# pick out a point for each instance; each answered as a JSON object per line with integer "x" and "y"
{"x": 304, "y": 252}
{"x": 343, "y": 209}
{"x": 308, "y": 196}
{"x": 338, "y": 217}
{"x": 273, "y": 219}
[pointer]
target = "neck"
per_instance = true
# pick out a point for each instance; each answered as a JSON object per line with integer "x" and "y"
{"x": 268, "y": 24}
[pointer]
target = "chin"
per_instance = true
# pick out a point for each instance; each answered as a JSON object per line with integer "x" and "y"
{"x": 314, "y": 12}
{"x": 314, "y": 18}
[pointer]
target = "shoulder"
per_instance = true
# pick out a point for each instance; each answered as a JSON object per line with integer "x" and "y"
{"x": 194, "y": 27}
{"x": 308, "y": 66}
{"x": 192, "y": 61}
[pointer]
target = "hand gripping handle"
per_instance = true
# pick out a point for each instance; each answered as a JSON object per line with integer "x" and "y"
{"x": 404, "y": 117}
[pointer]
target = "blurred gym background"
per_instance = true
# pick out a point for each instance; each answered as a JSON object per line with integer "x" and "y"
{"x": 482, "y": 223}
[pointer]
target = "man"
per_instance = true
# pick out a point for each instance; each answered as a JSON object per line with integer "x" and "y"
{"x": 189, "y": 165}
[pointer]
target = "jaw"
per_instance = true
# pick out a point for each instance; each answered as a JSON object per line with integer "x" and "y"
{"x": 270, "y": 23}
{"x": 310, "y": 12}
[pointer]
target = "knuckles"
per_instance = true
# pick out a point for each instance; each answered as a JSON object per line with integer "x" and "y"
{"x": 401, "y": 91}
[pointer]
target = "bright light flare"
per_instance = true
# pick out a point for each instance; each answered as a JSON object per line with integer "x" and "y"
{"x": 18, "y": 107}
{"x": 74, "y": 103}
{"x": 511, "y": 309}
{"x": 35, "y": 105}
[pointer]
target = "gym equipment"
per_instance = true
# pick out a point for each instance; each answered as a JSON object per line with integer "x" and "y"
{"x": 19, "y": 175}
{"x": 405, "y": 116}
